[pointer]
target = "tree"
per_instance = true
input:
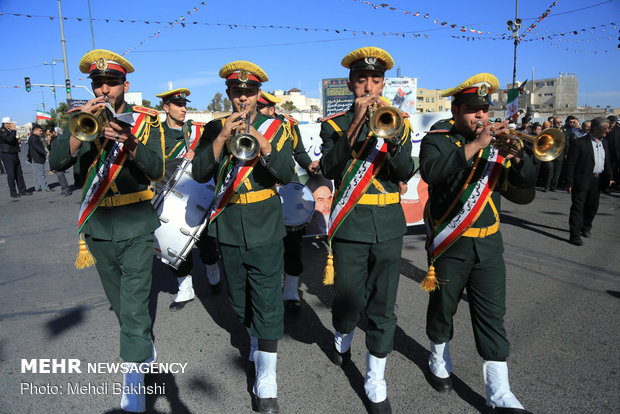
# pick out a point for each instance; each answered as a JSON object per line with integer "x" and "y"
{"x": 60, "y": 116}
{"x": 146, "y": 102}
{"x": 288, "y": 106}
{"x": 227, "y": 104}
{"x": 159, "y": 106}
{"x": 216, "y": 105}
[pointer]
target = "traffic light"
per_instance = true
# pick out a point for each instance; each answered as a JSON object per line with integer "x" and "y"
{"x": 27, "y": 81}
{"x": 68, "y": 85}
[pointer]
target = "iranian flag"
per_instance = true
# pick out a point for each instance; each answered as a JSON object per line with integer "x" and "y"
{"x": 512, "y": 108}
{"x": 43, "y": 116}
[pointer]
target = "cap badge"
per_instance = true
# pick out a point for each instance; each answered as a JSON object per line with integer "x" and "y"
{"x": 101, "y": 64}
{"x": 483, "y": 90}
{"x": 370, "y": 60}
{"x": 244, "y": 75}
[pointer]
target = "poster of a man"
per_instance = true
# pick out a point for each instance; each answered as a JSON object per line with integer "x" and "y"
{"x": 323, "y": 190}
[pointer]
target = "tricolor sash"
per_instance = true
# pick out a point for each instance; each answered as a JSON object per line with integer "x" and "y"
{"x": 467, "y": 207}
{"x": 105, "y": 168}
{"x": 180, "y": 149}
{"x": 232, "y": 175}
{"x": 356, "y": 181}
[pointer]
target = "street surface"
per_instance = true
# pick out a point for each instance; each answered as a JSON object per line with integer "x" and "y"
{"x": 562, "y": 320}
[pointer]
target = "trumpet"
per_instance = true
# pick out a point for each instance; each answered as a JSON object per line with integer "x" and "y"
{"x": 243, "y": 145}
{"x": 546, "y": 147}
{"x": 87, "y": 126}
{"x": 386, "y": 122}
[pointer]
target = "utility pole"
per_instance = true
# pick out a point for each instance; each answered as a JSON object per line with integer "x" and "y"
{"x": 64, "y": 51}
{"x": 90, "y": 17}
{"x": 53, "y": 81}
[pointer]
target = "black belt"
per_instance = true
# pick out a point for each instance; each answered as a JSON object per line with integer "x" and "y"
{"x": 596, "y": 175}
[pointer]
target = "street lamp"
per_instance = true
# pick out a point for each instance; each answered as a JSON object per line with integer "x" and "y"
{"x": 514, "y": 28}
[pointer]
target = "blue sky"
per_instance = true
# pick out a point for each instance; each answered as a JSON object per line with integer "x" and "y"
{"x": 191, "y": 56}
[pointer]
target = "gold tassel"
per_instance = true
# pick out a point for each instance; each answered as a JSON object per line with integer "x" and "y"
{"x": 84, "y": 258}
{"x": 328, "y": 274}
{"x": 430, "y": 282}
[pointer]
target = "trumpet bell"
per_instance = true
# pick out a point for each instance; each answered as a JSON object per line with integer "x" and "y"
{"x": 244, "y": 147}
{"x": 549, "y": 144}
{"x": 86, "y": 126}
{"x": 386, "y": 122}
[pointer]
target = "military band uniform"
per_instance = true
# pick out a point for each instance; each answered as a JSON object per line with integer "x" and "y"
{"x": 465, "y": 194}
{"x": 367, "y": 246}
{"x": 250, "y": 234}
{"x": 207, "y": 246}
{"x": 121, "y": 237}
{"x": 472, "y": 262}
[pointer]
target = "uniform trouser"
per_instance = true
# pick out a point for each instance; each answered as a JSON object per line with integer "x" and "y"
{"x": 584, "y": 207}
{"x": 366, "y": 278}
{"x": 292, "y": 253}
{"x": 125, "y": 270}
{"x": 62, "y": 180}
{"x": 255, "y": 288}
{"x": 207, "y": 247}
{"x": 38, "y": 172}
{"x": 14, "y": 173}
{"x": 486, "y": 292}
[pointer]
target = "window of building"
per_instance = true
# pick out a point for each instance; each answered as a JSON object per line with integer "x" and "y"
{"x": 440, "y": 108}
{"x": 426, "y": 99}
{"x": 433, "y": 100}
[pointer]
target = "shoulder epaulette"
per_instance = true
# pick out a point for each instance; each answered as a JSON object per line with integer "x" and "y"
{"x": 333, "y": 116}
{"x": 145, "y": 110}
{"x": 198, "y": 123}
{"x": 405, "y": 114}
{"x": 290, "y": 119}
{"x": 438, "y": 131}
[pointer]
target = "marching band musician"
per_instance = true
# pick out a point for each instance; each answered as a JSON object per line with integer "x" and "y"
{"x": 367, "y": 222}
{"x": 247, "y": 218}
{"x": 465, "y": 175}
{"x": 180, "y": 136}
{"x": 293, "y": 265}
{"x": 116, "y": 215}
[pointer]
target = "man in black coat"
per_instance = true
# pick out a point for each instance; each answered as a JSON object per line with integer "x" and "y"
{"x": 9, "y": 154}
{"x": 38, "y": 154}
{"x": 587, "y": 160}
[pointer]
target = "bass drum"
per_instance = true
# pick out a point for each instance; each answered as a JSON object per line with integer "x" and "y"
{"x": 297, "y": 205}
{"x": 182, "y": 205}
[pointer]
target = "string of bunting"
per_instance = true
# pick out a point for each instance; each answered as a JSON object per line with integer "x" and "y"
{"x": 462, "y": 28}
{"x": 541, "y": 18}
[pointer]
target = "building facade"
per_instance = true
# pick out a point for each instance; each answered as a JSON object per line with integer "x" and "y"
{"x": 430, "y": 100}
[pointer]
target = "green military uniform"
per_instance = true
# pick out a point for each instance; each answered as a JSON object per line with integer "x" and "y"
{"x": 472, "y": 262}
{"x": 121, "y": 237}
{"x": 367, "y": 246}
{"x": 250, "y": 234}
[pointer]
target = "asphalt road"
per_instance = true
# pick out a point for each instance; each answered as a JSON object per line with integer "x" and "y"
{"x": 562, "y": 321}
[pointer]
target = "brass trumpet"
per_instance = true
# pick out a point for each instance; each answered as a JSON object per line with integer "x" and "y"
{"x": 87, "y": 126}
{"x": 546, "y": 147}
{"x": 386, "y": 122}
{"x": 243, "y": 145}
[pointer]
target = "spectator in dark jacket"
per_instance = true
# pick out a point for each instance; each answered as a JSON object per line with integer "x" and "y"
{"x": 52, "y": 139}
{"x": 9, "y": 154}
{"x": 38, "y": 154}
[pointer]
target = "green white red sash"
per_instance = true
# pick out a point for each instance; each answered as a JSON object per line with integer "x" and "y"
{"x": 232, "y": 175}
{"x": 466, "y": 210}
{"x": 104, "y": 170}
{"x": 355, "y": 183}
{"x": 180, "y": 149}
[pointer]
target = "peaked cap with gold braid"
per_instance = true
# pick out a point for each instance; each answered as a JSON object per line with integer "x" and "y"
{"x": 475, "y": 90}
{"x": 101, "y": 62}
{"x": 175, "y": 96}
{"x": 243, "y": 74}
{"x": 368, "y": 58}
{"x": 267, "y": 99}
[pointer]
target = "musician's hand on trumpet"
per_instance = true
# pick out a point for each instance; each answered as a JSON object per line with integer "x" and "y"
{"x": 122, "y": 133}
{"x": 360, "y": 109}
